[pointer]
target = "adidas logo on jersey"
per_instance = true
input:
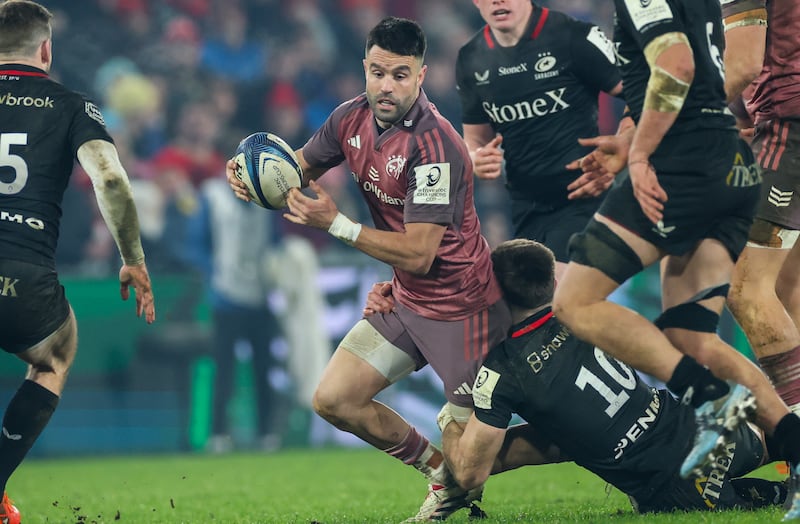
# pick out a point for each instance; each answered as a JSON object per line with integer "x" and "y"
{"x": 355, "y": 141}
{"x": 26, "y": 101}
{"x": 463, "y": 389}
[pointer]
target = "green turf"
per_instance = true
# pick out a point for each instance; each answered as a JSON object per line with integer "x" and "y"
{"x": 307, "y": 486}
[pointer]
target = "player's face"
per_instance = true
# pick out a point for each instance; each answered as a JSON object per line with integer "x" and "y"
{"x": 504, "y": 15}
{"x": 393, "y": 83}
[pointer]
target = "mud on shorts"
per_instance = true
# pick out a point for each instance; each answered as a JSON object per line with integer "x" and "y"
{"x": 552, "y": 228}
{"x": 454, "y": 349}
{"x": 32, "y": 304}
{"x": 712, "y": 184}
{"x": 716, "y": 490}
{"x": 777, "y": 149}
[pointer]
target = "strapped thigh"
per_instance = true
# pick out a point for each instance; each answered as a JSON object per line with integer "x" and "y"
{"x": 599, "y": 247}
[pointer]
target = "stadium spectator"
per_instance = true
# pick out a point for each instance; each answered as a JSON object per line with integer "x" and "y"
{"x": 230, "y": 51}
{"x": 39, "y": 142}
{"x": 765, "y": 291}
{"x": 576, "y": 390}
{"x": 684, "y": 151}
{"x": 228, "y": 242}
{"x": 415, "y": 174}
{"x": 529, "y": 82}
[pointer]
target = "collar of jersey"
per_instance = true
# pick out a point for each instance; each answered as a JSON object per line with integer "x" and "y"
{"x": 531, "y": 323}
{"x": 21, "y": 70}
{"x": 536, "y": 21}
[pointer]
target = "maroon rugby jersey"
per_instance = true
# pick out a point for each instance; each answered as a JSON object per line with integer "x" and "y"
{"x": 776, "y": 91}
{"x": 416, "y": 171}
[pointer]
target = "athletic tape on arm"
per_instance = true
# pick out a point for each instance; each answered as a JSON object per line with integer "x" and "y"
{"x": 665, "y": 93}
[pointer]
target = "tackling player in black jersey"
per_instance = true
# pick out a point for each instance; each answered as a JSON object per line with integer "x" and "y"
{"x": 529, "y": 82}
{"x": 43, "y": 128}
{"x": 593, "y": 408}
{"x": 688, "y": 202}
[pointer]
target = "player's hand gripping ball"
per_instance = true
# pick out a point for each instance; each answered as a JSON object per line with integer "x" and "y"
{"x": 269, "y": 169}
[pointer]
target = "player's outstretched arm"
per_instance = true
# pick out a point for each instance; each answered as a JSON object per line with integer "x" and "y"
{"x": 112, "y": 190}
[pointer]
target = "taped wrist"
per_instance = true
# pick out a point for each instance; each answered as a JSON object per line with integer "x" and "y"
{"x": 444, "y": 417}
{"x": 345, "y": 229}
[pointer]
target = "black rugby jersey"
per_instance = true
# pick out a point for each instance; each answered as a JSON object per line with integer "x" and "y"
{"x": 42, "y": 125}
{"x": 541, "y": 95}
{"x": 637, "y": 22}
{"x": 594, "y": 408}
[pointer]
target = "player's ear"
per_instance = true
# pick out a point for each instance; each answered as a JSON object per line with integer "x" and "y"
{"x": 421, "y": 75}
{"x": 46, "y": 52}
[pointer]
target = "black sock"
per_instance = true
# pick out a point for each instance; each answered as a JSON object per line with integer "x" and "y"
{"x": 694, "y": 384}
{"x": 787, "y": 438}
{"x": 26, "y": 416}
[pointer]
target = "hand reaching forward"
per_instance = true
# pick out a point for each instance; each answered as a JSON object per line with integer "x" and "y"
{"x": 599, "y": 167}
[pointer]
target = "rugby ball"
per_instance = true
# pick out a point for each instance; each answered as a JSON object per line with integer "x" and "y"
{"x": 269, "y": 169}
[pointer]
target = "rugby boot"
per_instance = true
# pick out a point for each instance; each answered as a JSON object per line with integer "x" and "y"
{"x": 716, "y": 421}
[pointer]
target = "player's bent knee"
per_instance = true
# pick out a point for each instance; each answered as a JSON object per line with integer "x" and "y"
{"x": 56, "y": 352}
{"x": 692, "y": 316}
{"x": 598, "y": 247}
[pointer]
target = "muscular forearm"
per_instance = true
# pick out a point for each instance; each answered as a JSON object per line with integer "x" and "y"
{"x": 114, "y": 197}
{"x": 468, "y": 472}
{"x": 408, "y": 252}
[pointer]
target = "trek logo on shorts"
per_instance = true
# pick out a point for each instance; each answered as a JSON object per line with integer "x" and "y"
{"x": 742, "y": 175}
{"x": 8, "y": 288}
{"x": 710, "y": 487}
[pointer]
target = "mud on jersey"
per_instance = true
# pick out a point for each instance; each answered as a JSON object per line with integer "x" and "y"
{"x": 637, "y": 23}
{"x": 42, "y": 126}
{"x": 541, "y": 95}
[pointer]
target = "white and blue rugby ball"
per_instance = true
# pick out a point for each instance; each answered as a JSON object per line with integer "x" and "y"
{"x": 269, "y": 169}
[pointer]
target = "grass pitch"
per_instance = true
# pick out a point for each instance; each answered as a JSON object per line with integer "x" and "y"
{"x": 311, "y": 487}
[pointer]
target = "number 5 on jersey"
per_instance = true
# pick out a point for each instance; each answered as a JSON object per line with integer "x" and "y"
{"x": 15, "y": 162}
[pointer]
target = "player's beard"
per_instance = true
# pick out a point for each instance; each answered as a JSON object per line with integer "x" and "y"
{"x": 389, "y": 116}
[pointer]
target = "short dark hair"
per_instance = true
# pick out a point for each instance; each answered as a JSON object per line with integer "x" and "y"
{"x": 525, "y": 270}
{"x": 400, "y": 36}
{"x": 24, "y": 25}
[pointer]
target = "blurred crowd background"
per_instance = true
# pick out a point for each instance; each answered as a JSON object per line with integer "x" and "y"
{"x": 180, "y": 83}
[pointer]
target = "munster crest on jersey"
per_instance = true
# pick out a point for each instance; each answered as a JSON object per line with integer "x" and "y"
{"x": 395, "y": 165}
